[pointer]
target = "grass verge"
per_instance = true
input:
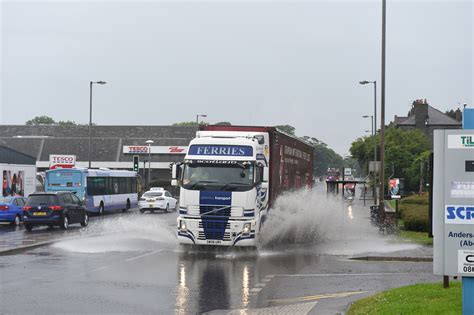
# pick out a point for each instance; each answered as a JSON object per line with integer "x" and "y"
{"x": 417, "y": 237}
{"x": 429, "y": 298}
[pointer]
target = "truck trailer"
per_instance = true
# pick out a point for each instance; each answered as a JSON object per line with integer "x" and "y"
{"x": 230, "y": 178}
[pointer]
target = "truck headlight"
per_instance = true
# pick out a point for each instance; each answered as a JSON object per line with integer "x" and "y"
{"x": 246, "y": 230}
{"x": 182, "y": 226}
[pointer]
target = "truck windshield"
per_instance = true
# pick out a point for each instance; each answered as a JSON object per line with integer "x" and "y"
{"x": 229, "y": 177}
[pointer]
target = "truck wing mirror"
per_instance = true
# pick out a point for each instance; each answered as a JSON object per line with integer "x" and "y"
{"x": 266, "y": 175}
{"x": 265, "y": 178}
{"x": 173, "y": 171}
{"x": 176, "y": 170}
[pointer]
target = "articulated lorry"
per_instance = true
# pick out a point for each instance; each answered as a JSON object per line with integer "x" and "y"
{"x": 231, "y": 176}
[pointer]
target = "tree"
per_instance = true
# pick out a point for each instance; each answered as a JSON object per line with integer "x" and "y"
{"x": 324, "y": 157}
{"x": 403, "y": 148}
{"x": 67, "y": 123}
{"x": 185, "y": 123}
{"x": 40, "y": 120}
{"x": 223, "y": 123}
{"x": 286, "y": 129}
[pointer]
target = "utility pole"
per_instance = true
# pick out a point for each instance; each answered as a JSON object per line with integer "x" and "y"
{"x": 382, "y": 114}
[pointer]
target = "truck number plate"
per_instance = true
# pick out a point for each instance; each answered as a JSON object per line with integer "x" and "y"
{"x": 214, "y": 242}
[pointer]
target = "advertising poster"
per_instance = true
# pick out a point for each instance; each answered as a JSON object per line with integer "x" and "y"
{"x": 13, "y": 183}
{"x": 395, "y": 188}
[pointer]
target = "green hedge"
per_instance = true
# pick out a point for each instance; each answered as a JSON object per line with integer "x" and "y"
{"x": 414, "y": 213}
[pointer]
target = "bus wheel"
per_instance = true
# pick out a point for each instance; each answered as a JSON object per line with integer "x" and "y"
{"x": 101, "y": 209}
{"x": 127, "y": 207}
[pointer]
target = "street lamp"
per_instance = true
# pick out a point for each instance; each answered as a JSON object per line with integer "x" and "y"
{"x": 382, "y": 114}
{"x": 149, "y": 142}
{"x": 375, "y": 102}
{"x": 197, "y": 119}
{"x": 90, "y": 117}
{"x": 375, "y": 158}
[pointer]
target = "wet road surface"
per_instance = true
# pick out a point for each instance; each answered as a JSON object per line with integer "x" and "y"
{"x": 132, "y": 265}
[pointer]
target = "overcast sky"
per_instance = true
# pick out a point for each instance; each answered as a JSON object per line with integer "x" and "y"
{"x": 247, "y": 62}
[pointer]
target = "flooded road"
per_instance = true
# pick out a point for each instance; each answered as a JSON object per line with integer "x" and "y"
{"x": 133, "y": 264}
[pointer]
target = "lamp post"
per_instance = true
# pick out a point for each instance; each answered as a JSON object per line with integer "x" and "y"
{"x": 149, "y": 142}
{"x": 197, "y": 119}
{"x": 90, "y": 117}
{"x": 382, "y": 114}
{"x": 375, "y": 158}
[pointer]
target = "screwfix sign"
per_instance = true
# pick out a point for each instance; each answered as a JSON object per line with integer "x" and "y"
{"x": 143, "y": 149}
{"x": 61, "y": 161}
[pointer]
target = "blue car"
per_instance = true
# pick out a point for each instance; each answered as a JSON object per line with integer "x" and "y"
{"x": 11, "y": 209}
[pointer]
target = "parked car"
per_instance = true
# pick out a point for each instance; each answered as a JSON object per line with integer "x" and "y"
{"x": 54, "y": 208}
{"x": 11, "y": 209}
{"x": 157, "y": 200}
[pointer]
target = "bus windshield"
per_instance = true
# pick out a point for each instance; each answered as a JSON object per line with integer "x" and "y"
{"x": 230, "y": 177}
{"x": 65, "y": 180}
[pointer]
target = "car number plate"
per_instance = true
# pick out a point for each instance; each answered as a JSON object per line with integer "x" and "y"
{"x": 214, "y": 242}
{"x": 150, "y": 205}
{"x": 39, "y": 213}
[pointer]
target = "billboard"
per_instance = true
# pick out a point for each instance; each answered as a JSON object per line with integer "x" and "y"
{"x": 61, "y": 161}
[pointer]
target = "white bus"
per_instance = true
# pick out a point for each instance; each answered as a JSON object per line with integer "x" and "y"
{"x": 101, "y": 190}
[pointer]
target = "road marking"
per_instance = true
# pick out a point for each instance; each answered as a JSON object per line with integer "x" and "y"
{"x": 318, "y": 297}
{"x": 260, "y": 285}
{"x": 98, "y": 269}
{"x": 343, "y": 274}
{"x": 266, "y": 280}
{"x": 255, "y": 290}
{"x": 144, "y": 255}
{"x": 300, "y": 309}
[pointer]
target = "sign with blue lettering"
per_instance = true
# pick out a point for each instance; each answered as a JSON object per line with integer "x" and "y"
{"x": 459, "y": 215}
{"x": 220, "y": 150}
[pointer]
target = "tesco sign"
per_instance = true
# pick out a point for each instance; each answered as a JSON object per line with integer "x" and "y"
{"x": 61, "y": 161}
{"x": 143, "y": 149}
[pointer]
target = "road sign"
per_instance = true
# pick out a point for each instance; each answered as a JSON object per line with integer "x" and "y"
{"x": 374, "y": 166}
{"x": 453, "y": 209}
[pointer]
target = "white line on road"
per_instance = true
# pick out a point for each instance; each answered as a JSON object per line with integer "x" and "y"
{"x": 144, "y": 255}
{"x": 255, "y": 290}
{"x": 98, "y": 269}
{"x": 343, "y": 274}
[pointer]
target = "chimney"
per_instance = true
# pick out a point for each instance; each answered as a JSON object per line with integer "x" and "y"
{"x": 421, "y": 113}
{"x": 458, "y": 115}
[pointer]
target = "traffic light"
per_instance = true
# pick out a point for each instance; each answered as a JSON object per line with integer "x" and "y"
{"x": 136, "y": 166}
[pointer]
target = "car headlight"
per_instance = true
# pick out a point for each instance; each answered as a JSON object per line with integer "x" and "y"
{"x": 182, "y": 225}
{"x": 246, "y": 229}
